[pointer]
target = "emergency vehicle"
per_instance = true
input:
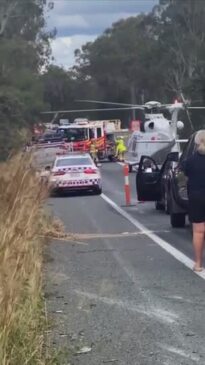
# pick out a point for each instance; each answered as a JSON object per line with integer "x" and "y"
{"x": 157, "y": 137}
{"x": 81, "y": 133}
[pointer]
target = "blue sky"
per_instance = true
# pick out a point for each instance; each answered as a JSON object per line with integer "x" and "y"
{"x": 81, "y": 21}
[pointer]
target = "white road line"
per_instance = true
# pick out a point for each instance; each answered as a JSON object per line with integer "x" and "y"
{"x": 121, "y": 163}
{"x": 179, "y": 352}
{"x": 159, "y": 315}
{"x": 178, "y": 255}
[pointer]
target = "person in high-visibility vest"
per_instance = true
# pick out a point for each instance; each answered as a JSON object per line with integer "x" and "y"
{"x": 94, "y": 151}
{"x": 120, "y": 149}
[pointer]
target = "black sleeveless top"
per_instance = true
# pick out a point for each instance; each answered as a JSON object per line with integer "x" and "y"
{"x": 194, "y": 169}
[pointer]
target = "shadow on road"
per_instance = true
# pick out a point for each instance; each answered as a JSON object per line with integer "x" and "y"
{"x": 71, "y": 194}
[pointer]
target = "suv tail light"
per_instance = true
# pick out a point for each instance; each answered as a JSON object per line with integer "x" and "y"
{"x": 90, "y": 171}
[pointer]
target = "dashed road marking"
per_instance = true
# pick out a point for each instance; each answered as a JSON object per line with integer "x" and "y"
{"x": 179, "y": 352}
{"x": 159, "y": 314}
{"x": 178, "y": 255}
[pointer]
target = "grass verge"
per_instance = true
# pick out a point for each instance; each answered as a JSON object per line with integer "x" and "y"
{"x": 22, "y": 315}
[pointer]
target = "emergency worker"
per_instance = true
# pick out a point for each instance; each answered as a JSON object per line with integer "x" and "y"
{"x": 120, "y": 149}
{"x": 94, "y": 151}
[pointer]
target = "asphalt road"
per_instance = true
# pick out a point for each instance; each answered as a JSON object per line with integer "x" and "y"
{"x": 119, "y": 293}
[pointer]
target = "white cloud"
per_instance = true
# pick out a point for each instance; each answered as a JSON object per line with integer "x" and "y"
{"x": 77, "y": 23}
{"x": 63, "y": 48}
{"x": 96, "y": 15}
{"x": 102, "y": 6}
{"x": 91, "y": 22}
{"x": 81, "y": 21}
{"x": 71, "y": 21}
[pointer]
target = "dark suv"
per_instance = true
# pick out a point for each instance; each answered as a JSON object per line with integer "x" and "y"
{"x": 166, "y": 185}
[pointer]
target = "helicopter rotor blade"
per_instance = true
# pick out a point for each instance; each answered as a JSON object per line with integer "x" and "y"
{"x": 107, "y": 102}
{"x": 142, "y": 106}
{"x": 196, "y": 107}
{"x": 125, "y": 107}
{"x": 90, "y": 110}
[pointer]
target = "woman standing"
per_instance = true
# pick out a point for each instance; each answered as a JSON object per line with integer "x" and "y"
{"x": 195, "y": 171}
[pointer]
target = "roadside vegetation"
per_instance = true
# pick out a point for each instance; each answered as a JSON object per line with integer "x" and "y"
{"x": 22, "y": 317}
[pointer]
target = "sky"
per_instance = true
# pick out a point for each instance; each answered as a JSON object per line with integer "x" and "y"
{"x": 80, "y": 21}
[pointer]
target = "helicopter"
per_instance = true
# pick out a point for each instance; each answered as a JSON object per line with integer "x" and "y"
{"x": 154, "y": 134}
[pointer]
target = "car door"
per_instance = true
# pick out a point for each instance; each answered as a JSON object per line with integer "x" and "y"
{"x": 180, "y": 178}
{"x": 148, "y": 182}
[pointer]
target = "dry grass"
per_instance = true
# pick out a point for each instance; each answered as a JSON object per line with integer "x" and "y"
{"x": 22, "y": 316}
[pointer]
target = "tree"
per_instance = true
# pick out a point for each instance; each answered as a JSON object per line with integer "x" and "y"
{"x": 6, "y": 11}
{"x": 182, "y": 35}
{"x": 24, "y": 49}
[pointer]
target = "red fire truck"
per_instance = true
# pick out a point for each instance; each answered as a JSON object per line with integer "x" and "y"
{"x": 81, "y": 133}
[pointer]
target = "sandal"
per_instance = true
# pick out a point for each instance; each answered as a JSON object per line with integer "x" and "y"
{"x": 197, "y": 268}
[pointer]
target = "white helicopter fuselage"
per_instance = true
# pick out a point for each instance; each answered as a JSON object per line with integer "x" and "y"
{"x": 158, "y": 138}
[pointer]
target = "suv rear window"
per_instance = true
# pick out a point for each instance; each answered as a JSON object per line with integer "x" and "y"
{"x": 189, "y": 149}
{"x": 82, "y": 161}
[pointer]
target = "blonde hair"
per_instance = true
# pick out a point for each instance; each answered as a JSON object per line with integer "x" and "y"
{"x": 200, "y": 141}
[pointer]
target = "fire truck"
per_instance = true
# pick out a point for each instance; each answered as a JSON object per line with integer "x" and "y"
{"x": 80, "y": 134}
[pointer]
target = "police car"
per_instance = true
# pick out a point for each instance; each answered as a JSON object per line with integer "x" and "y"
{"x": 75, "y": 172}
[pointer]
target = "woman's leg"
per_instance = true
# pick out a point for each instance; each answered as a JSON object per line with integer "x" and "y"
{"x": 198, "y": 243}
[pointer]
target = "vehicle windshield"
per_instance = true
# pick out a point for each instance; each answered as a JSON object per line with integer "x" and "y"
{"x": 51, "y": 137}
{"x": 110, "y": 137}
{"x": 75, "y": 134}
{"x": 82, "y": 161}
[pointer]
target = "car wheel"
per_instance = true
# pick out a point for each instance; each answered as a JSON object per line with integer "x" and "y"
{"x": 177, "y": 220}
{"x": 159, "y": 206}
{"x": 111, "y": 158}
{"x": 130, "y": 168}
{"x": 97, "y": 191}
